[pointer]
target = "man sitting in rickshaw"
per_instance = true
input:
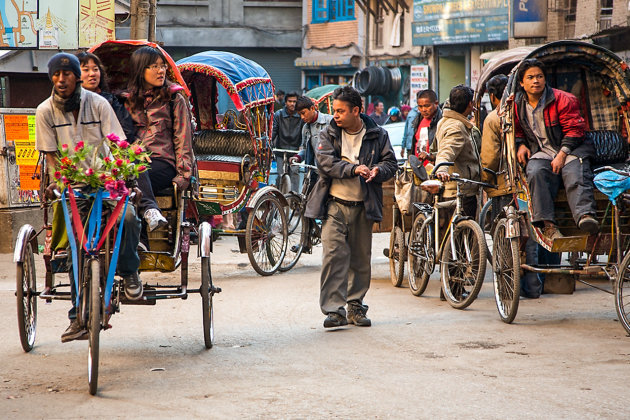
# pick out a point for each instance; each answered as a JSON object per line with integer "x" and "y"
{"x": 549, "y": 134}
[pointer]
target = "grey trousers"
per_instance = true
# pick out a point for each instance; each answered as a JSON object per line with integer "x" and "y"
{"x": 346, "y": 269}
{"x": 293, "y": 173}
{"x": 577, "y": 177}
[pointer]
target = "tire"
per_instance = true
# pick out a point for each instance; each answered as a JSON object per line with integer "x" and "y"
{"x": 94, "y": 324}
{"x": 506, "y": 263}
{"x": 266, "y": 235}
{"x": 462, "y": 277}
{"x": 296, "y": 225}
{"x": 26, "y": 278}
{"x": 398, "y": 256}
{"x": 284, "y": 185}
{"x": 421, "y": 254}
{"x": 206, "y": 302}
{"x": 622, "y": 293}
{"x": 484, "y": 222}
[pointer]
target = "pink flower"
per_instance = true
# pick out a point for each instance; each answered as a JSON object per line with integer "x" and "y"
{"x": 116, "y": 188}
{"x": 119, "y": 162}
{"x": 80, "y": 145}
{"x": 57, "y": 174}
{"x": 114, "y": 171}
{"x": 113, "y": 137}
{"x": 89, "y": 172}
{"x": 137, "y": 149}
{"x": 64, "y": 147}
{"x": 102, "y": 177}
{"x": 142, "y": 168}
{"x": 107, "y": 159}
{"x": 65, "y": 180}
{"x": 123, "y": 144}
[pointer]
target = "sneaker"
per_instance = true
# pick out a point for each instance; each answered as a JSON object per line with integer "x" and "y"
{"x": 154, "y": 219}
{"x": 133, "y": 287}
{"x": 74, "y": 332}
{"x": 588, "y": 224}
{"x": 357, "y": 317}
{"x": 552, "y": 232}
{"x": 335, "y": 320}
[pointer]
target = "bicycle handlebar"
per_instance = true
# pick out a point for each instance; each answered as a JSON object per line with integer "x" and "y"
{"x": 610, "y": 168}
{"x": 304, "y": 165}
{"x": 284, "y": 151}
{"x": 457, "y": 178}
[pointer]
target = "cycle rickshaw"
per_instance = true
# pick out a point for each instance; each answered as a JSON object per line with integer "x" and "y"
{"x": 322, "y": 96}
{"x": 233, "y": 153}
{"x": 95, "y": 246}
{"x": 601, "y": 82}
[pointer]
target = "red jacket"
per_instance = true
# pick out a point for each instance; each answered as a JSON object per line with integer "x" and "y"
{"x": 563, "y": 123}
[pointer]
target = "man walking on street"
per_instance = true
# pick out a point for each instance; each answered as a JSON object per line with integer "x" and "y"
{"x": 287, "y": 134}
{"x": 354, "y": 158}
{"x": 314, "y": 123}
{"x": 379, "y": 116}
{"x": 421, "y": 124}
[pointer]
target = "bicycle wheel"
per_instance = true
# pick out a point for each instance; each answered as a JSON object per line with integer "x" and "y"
{"x": 296, "y": 226}
{"x": 206, "y": 302}
{"x": 622, "y": 293}
{"x": 506, "y": 263}
{"x": 421, "y": 255}
{"x": 485, "y": 221}
{"x": 284, "y": 184}
{"x": 94, "y": 324}
{"x": 397, "y": 256}
{"x": 266, "y": 235}
{"x": 26, "y": 279}
{"x": 463, "y": 272}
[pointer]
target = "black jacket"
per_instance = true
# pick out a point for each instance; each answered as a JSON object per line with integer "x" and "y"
{"x": 125, "y": 120}
{"x": 432, "y": 128}
{"x": 287, "y": 130}
{"x": 376, "y": 150}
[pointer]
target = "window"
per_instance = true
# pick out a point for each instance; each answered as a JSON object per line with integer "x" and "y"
{"x": 605, "y": 14}
{"x": 378, "y": 27}
{"x": 332, "y": 10}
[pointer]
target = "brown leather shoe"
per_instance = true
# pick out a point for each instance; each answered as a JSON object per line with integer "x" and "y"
{"x": 552, "y": 232}
{"x": 588, "y": 224}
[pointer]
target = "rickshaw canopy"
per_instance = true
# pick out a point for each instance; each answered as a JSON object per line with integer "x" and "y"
{"x": 322, "y": 92}
{"x": 115, "y": 57}
{"x": 247, "y": 83}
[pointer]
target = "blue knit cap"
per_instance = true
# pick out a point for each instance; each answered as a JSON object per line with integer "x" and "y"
{"x": 64, "y": 61}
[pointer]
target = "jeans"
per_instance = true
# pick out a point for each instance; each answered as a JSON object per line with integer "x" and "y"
{"x": 159, "y": 177}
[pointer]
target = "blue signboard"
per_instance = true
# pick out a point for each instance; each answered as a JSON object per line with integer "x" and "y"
{"x": 459, "y": 21}
{"x": 529, "y": 18}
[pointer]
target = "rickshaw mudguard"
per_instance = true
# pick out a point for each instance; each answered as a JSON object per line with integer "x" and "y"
{"x": 205, "y": 240}
{"x": 258, "y": 195}
{"x": 27, "y": 233}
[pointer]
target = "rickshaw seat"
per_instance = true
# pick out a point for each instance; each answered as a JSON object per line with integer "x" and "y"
{"x": 223, "y": 143}
{"x": 610, "y": 147}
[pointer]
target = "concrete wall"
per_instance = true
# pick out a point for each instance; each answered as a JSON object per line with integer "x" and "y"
{"x": 387, "y": 49}
{"x": 587, "y": 17}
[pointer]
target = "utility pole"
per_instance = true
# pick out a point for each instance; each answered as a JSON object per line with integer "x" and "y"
{"x": 140, "y": 19}
{"x": 152, "y": 20}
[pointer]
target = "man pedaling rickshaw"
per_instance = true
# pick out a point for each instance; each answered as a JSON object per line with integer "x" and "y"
{"x": 550, "y": 140}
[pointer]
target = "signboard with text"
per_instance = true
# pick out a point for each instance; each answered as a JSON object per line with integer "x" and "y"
{"x": 529, "y": 18}
{"x": 459, "y": 21}
{"x": 418, "y": 80}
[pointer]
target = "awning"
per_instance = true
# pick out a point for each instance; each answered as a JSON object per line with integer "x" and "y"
{"x": 334, "y": 61}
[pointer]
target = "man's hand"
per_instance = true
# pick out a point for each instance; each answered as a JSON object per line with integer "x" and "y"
{"x": 523, "y": 154}
{"x": 363, "y": 171}
{"x": 558, "y": 162}
{"x": 373, "y": 173}
{"x": 295, "y": 159}
{"x": 402, "y": 152}
{"x": 423, "y": 156}
{"x": 50, "y": 191}
{"x": 181, "y": 182}
{"x": 443, "y": 176}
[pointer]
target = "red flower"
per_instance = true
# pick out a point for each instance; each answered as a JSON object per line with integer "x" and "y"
{"x": 113, "y": 137}
{"x": 142, "y": 168}
{"x": 66, "y": 161}
{"x": 114, "y": 171}
{"x": 107, "y": 159}
{"x": 137, "y": 149}
{"x": 64, "y": 147}
{"x": 89, "y": 172}
{"x": 80, "y": 145}
{"x": 102, "y": 177}
{"x": 65, "y": 180}
{"x": 119, "y": 162}
{"x": 123, "y": 144}
{"x": 57, "y": 174}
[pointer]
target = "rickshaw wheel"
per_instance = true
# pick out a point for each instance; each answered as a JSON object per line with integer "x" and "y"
{"x": 266, "y": 235}
{"x": 297, "y": 224}
{"x": 94, "y": 324}
{"x": 421, "y": 256}
{"x": 397, "y": 256}
{"x": 26, "y": 298}
{"x": 462, "y": 276}
{"x": 206, "y": 303}
{"x": 506, "y": 263}
{"x": 622, "y": 293}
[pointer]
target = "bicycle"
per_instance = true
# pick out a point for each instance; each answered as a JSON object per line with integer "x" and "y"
{"x": 461, "y": 251}
{"x": 303, "y": 232}
{"x": 283, "y": 183}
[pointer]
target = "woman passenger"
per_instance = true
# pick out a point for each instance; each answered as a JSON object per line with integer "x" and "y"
{"x": 163, "y": 124}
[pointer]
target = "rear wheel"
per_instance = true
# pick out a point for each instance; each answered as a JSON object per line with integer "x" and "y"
{"x": 507, "y": 272}
{"x": 397, "y": 256}
{"x": 463, "y": 272}
{"x": 94, "y": 324}
{"x": 421, "y": 255}
{"x": 266, "y": 235}
{"x": 622, "y": 293}
{"x": 206, "y": 302}
{"x": 26, "y": 298}
{"x": 296, "y": 225}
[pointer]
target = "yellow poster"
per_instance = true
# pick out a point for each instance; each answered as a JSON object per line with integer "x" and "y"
{"x": 96, "y": 22}
{"x": 20, "y": 129}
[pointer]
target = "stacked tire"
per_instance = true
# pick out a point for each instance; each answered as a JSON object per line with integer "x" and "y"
{"x": 374, "y": 80}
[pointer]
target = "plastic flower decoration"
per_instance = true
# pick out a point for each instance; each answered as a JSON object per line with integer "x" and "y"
{"x": 115, "y": 172}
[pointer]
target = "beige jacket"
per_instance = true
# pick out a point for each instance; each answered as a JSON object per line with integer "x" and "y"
{"x": 455, "y": 143}
{"x": 491, "y": 151}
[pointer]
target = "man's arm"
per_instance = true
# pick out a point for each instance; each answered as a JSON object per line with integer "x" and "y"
{"x": 387, "y": 163}
{"x": 450, "y": 146}
{"x": 274, "y": 130}
{"x": 329, "y": 163}
{"x": 490, "y": 145}
{"x": 571, "y": 121}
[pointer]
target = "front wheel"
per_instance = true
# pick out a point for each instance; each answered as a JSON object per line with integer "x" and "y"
{"x": 94, "y": 324}
{"x": 206, "y": 302}
{"x": 421, "y": 254}
{"x": 397, "y": 256}
{"x": 266, "y": 235}
{"x": 622, "y": 293}
{"x": 27, "y": 298}
{"x": 464, "y": 267}
{"x": 506, "y": 263}
{"x": 297, "y": 225}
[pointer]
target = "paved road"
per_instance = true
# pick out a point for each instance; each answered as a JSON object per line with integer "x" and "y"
{"x": 565, "y": 356}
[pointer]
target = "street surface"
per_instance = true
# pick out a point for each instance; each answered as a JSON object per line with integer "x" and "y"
{"x": 565, "y": 357}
